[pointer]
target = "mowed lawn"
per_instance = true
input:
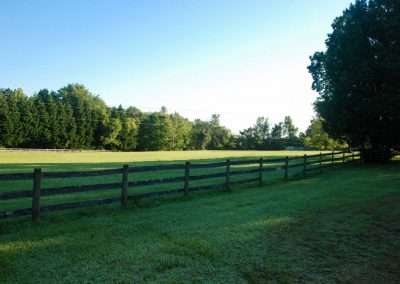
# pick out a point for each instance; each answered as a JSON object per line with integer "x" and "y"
{"x": 20, "y": 160}
{"x": 12, "y": 162}
{"x": 42, "y": 157}
{"x": 339, "y": 226}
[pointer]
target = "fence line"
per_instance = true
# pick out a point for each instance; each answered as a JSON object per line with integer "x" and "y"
{"x": 307, "y": 163}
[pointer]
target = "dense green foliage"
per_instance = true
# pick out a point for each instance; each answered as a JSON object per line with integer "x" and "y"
{"x": 261, "y": 136}
{"x": 69, "y": 118}
{"x": 74, "y": 118}
{"x": 358, "y": 77}
{"x": 331, "y": 228}
{"x": 211, "y": 135}
{"x": 316, "y": 137}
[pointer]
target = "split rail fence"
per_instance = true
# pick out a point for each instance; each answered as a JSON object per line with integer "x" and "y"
{"x": 306, "y": 164}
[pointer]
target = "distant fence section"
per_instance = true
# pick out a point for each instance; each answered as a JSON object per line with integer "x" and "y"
{"x": 306, "y": 164}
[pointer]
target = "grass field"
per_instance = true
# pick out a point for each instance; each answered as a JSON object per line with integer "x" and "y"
{"x": 72, "y": 160}
{"x": 11, "y": 162}
{"x": 341, "y": 226}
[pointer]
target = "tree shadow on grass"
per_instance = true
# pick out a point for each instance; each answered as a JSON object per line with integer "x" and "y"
{"x": 338, "y": 227}
{"x": 356, "y": 243}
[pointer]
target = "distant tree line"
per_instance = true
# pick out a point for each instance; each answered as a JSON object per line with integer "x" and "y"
{"x": 73, "y": 118}
{"x": 264, "y": 136}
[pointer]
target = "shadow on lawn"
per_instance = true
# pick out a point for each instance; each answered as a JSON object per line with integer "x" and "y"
{"x": 168, "y": 239}
{"x": 314, "y": 230}
{"x": 335, "y": 247}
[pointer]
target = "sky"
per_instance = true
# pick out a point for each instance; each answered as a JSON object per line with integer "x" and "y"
{"x": 238, "y": 58}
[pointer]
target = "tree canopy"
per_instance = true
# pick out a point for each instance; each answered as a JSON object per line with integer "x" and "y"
{"x": 316, "y": 137}
{"x": 262, "y": 137}
{"x": 74, "y": 118}
{"x": 358, "y": 77}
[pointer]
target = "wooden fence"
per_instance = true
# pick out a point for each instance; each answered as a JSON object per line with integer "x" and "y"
{"x": 307, "y": 164}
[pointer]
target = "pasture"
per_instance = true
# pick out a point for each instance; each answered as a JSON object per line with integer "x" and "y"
{"x": 339, "y": 226}
{"x": 19, "y": 160}
{"x": 15, "y": 162}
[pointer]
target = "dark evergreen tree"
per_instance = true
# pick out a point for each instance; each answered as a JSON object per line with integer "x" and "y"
{"x": 358, "y": 78}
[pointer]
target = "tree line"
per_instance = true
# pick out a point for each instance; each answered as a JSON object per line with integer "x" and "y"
{"x": 74, "y": 118}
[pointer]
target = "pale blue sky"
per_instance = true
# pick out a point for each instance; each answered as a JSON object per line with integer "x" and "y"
{"x": 239, "y": 58}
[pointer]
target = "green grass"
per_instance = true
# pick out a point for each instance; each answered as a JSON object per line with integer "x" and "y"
{"x": 338, "y": 227}
{"x": 11, "y": 162}
{"x": 90, "y": 157}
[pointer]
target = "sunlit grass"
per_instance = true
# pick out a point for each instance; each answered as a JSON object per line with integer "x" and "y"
{"x": 11, "y": 162}
{"x": 338, "y": 227}
{"x": 34, "y": 158}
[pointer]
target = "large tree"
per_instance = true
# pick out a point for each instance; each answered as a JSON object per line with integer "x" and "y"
{"x": 289, "y": 130}
{"x": 358, "y": 78}
{"x": 182, "y": 128}
{"x": 90, "y": 113}
{"x": 220, "y": 136}
{"x": 13, "y": 112}
{"x": 155, "y": 132}
{"x": 200, "y": 135}
{"x": 257, "y": 136}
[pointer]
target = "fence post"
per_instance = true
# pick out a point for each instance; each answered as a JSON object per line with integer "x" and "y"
{"x": 37, "y": 183}
{"x": 227, "y": 175}
{"x": 124, "y": 186}
{"x": 343, "y": 157}
{"x": 332, "y": 158}
{"x": 187, "y": 176}
{"x": 352, "y": 156}
{"x": 286, "y": 168}
{"x": 260, "y": 173}
{"x": 305, "y": 165}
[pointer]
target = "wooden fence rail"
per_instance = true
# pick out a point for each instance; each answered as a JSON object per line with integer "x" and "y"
{"x": 227, "y": 170}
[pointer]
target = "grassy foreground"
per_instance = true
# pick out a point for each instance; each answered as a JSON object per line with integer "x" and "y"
{"x": 341, "y": 226}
